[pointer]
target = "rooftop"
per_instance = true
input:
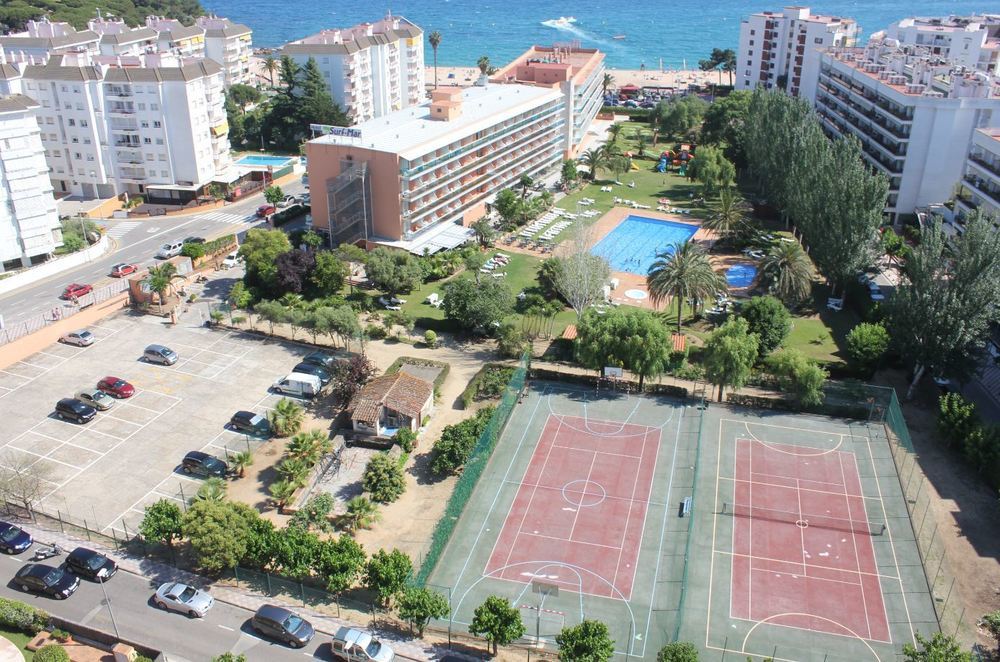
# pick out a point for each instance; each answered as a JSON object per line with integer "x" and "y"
{"x": 16, "y": 103}
{"x": 549, "y": 64}
{"x": 356, "y": 38}
{"x": 800, "y": 13}
{"x": 411, "y": 132}
{"x": 400, "y": 392}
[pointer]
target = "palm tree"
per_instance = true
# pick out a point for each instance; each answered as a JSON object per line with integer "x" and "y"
{"x": 281, "y": 491}
{"x": 309, "y": 446}
{"x": 729, "y": 214}
{"x": 615, "y": 130}
{"x": 286, "y": 417}
{"x": 484, "y": 64}
{"x": 790, "y": 272}
{"x": 213, "y": 489}
{"x": 606, "y": 84}
{"x": 640, "y": 142}
{"x": 159, "y": 280}
{"x": 593, "y": 158}
{"x": 270, "y": 66}
{"x": 434, "y": 39}
{"x": 361, "y": 513}
{"x": 294, "y": 471}
{"x": 683, "y": 272}
{"x": 240, "y": 461}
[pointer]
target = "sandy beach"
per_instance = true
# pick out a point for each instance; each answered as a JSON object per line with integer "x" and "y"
{"x": 463, "y": 76}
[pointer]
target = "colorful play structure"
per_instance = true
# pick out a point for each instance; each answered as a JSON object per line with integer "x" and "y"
{"x": 678, "y": 159}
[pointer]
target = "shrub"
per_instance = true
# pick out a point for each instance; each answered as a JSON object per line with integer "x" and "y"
{"x": 406, "y": 439}
{"x": 493, "y": 383}
{"x": 799, "y": 376}
{"x": 452, "y": 450}
{"x": 51, "y": 653}
{"x": 376, "y": 332}
{"x": 193, "y": 251}
{"x": 430, "y": 338}
{"x": 866, "y": 343}
{"x": 383, "y": 478}
{"x": 770, "y": 320}
{"x": 679, "y": 651}
{"x": 22, "y": 617}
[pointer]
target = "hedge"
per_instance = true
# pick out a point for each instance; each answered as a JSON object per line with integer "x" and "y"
{"x": 285, "y": 215}
{"x": 51, "y": 653}
{"x": 219, "y": 245}
{"x": 632, "y": 113}
{"x": 845, "y": 410}
{"x": 22, "y": 617}
{"x": 668, "y": 390}
{"x": 472, "y": 390}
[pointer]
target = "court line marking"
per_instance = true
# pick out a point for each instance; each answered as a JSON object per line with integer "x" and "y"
{"x": 809, "y": 565}
{"x": 628, "y": 516}
{"x": 788, "y": 487}
{"x": 576, "y": 513}
{"x": 857, "y": 556}
{"x": 570, "y": 540}
{"x": 587, "y": 450}
{"x": 853, "y": 635}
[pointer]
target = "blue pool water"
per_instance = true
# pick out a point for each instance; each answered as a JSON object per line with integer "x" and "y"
{"x": 632, "y": 246}
{"x": 741, "y": 275}
{"x": 255, "y": 160}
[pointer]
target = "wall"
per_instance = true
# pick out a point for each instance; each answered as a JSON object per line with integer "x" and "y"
{"x": 55, "y": 266}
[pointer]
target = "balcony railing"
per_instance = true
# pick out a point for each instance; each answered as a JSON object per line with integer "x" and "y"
{"x": 981, "y": 186}
{"x": 983, "y": 163}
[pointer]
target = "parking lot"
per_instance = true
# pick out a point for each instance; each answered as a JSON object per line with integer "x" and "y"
{"x": 106, "y": 471}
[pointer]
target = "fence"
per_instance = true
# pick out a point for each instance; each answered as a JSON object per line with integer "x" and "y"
{"x": 473, "y": 470}
{"x": 12, "y": 332}
{"x": 690, "y": 527}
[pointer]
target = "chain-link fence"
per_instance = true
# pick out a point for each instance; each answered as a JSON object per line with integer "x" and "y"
{"x": 11, "y": 332}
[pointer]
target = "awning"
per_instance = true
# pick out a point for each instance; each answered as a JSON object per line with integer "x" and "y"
{"x": 220, "y": 129}
{"x": 440, "y": 237}
{"x": 171, "y": 187}
{"x": 227, "y": 176}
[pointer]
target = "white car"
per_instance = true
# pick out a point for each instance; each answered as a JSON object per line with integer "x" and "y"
{"x": 80, "y": 338}
{"x": 174, "y": 596}
{"x": 354, "y": 645}
{"x": 231, "y": 260}
{"x": 169, "y": 250}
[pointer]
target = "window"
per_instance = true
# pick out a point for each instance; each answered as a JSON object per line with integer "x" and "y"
{"x": 57, "y": 152}
{"x": 90, "y": 157}
{"x": 154, "y": 106}
{"x": 750, "y": 53}
{"x": 86, "y": 141}
{"x": 142, "y": 106}
{"x": 63, "y": 88}
{"x": 75, "y": 139}
{"x": 159, "y": 141}
{"x": 149, "y": 157}
{"x": 157, "y": 124}
{"x": 45, "y": 103}
{"x": 818, "y": 40}
{"x": 76, "y": 155}
{"x": 72, "y": 122}
{"x": 84, "y": 123}
{"x": 144, "y": 124}
{"x": 163, "y": 157}
{"x": 48, "y": 120}
{"x": 147, "y": 141}
{"x": 151, "y": 89}
{"x": 76, "y": 89}
{"x": 30, "y": 86}
{"x": 751, "y": 42}
{"x": 53, "y": 136}
{"x": 164, "y": 173}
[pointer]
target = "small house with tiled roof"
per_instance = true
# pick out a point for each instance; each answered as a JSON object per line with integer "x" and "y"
{"x": 390, "y": 402}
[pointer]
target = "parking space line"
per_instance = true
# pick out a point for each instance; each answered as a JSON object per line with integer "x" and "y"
{"x": 123, "y": 420}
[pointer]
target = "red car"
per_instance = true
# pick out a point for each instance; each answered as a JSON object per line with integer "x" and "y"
{"x": 122, "y": 270}
{"x": 75, "y": 290}
{"x": 117, "y": 387}
{"x": 265, "y": 210}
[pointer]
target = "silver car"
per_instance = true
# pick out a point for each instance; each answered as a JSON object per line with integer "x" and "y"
{"x": 96, "y": 398}
{"x": 174, "y": 596}
{"x": 80, "y": 338}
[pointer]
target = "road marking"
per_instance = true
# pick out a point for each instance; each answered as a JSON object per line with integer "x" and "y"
{"x": 226, "y": 627}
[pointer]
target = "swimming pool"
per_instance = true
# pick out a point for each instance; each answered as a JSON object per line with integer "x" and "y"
{"x": 741, "y": 275}
{"x": 632, "y": 246}
{"x": 257, "y": 160}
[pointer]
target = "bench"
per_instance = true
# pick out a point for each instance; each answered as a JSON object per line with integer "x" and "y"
{"x": 685, "y": 508}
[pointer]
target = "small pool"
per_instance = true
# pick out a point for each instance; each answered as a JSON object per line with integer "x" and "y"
{"x": 741, "y": 275}
{"x": 632, "y": 246}
{"x": 263, "y": 161}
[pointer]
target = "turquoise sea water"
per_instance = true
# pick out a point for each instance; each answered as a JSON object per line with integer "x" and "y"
{"x": 674, "y": 31}
{"x": 632, "y": 246}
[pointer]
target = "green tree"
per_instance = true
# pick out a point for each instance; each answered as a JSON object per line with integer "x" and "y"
{"x": 507, "y": 205}
{"x": 51, "y": 653}
{"x": 260, "y": 251}
{"x": 281, "y": 491}
{"x": 430, "y": 338}
{"x": 991, "y": 622}
{"x": 588, "y": 641}
{"x": 712, "y": 170}
{"x": 606, "y": 83}
{"x": 419, "y": 605}
{"x": 481, "y": 306}
{"x": 406, "y": 439}
{"x": 729, "y": 354}
{"x": 242, "y": 96}
{"x": 614, "y": 131}
{"x": 159, "y": 279}
{"x": 768, "y": 318}
{"x": 485, "y": 234}
{"x": 340, "y": 561}
{"x": 272, "y": 312}
{"x": 286, "y": 418}
{"x": 484, "y": 64}
{"x": 270, "y": 66}
{"x": 497, "y": 621}
{"x": 383, "y": 478}
{"x": 309, "y": 446}
{"x": 680, "y": 273}
{"x": 721, "y": 60}
{"x": 386, "y": 574}
{"x": 729, "y": 215}
{"x": 161, "y": 522}
{"x": 939, "y": 648}
{"x": 636, "y": 341}
{"x": 240, "y": 461}
{"x": 799, "y": 376}
{"x": 316, "y": 104}
{"x": 678, "y": 651}
{"x": 593, "y": 159}
{"x": 315, "y": 513}
{"x": 681, "y": 116}
{"x": 329, "y": 274}
{"x": 273, "y": 194}
{"x": 218, "y": 533}
{"x": 392, "y": 271}
{"x": 511, "y": 341}
{"x": 434, "y": 39}
{"x": 957, "y": 419}
{"x": 569, "y": 172}
{"x": 789, "y": 271}
{"x": 724, "y": 122}
{"x": 867, "y": 344}
{"x": 230, "y": 657}
{"x": 362, "y": 513}
{"x": 212, "y": 489}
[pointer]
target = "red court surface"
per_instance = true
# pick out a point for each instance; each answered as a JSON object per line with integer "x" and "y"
{"x": 802, "y": 554}
{"x": 578, "y": 515}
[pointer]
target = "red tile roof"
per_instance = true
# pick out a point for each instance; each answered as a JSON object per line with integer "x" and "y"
{"x": 400, "y": 392}
{"x": 680, "y": 342}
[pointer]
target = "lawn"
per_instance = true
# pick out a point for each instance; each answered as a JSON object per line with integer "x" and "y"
{"x": 20, "y": 640}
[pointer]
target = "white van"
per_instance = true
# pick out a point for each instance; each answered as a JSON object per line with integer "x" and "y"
{"x": 170, "y": 250}
{"x": 300, "y": 384}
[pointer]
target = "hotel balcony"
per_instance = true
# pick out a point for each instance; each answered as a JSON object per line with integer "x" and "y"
{"x": 127, "y": 157}
{"x": 989, "y": 191}
{"x": 121, "y": 109}
{"x": 118, "y": 92}
{"x": 990, "y": 168}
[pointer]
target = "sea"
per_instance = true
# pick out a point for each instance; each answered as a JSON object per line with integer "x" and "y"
{"x": 633, "y": 33}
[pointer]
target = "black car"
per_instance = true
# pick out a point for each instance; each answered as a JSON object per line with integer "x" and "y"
{"x": 14, "y": 539}
{"x": 45, "y": 579}
{"x": 71, "y": 409}
{"x": 313, "y": 369}
{"x": 251, "y": 423}
{"x": 321, "y": 359}
{"x": 281, "y": 624}
{"x": 203, "y": 464}
{"x": 87, "y": 563}
{"x": 194, "y": 240}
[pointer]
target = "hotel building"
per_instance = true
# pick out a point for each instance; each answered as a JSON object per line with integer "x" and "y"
{"x": 780, "y": 49}
{"x": 409, "y": 178}
{"x": 29, "y": 222}
{"x": 578, "y": 73}
{"x": 230, "y": 44}
{"x": 980, "y": 184}
{"x": 372, "y": 69}
{"x": 914, "y": 115}
{"x": 969, "y": 41}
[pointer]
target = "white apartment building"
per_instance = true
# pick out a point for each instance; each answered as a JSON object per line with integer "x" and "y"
{"x": 980, "y": 185}
{"x": 372, "y": 69}
{"x": 780, "y": 49}
{"x": 230, "y": 44}
{"x": 118, "y": 38}
{"x": 42, "y": 38}
{"x": 177, "y": 38}
{"x": 29, "y": 222}
{"x": 154, "y": 125}
{"x": 969, "y": 41}
{"x": 914, "y": 115}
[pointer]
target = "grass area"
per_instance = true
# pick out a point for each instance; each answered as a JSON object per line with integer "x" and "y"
{"x": 20, "y": 640}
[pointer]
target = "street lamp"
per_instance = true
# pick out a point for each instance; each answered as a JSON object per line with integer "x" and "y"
{"x": 107, "y": 601}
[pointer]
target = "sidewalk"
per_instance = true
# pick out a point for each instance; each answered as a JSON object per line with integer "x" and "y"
{"x": 411, "y": 649}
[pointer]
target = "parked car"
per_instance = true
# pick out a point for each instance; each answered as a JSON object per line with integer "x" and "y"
{"x": 282, "y": 624}
{"x": 322, "y": 359}
{"x": 359, "y": 646}
{"x": 306, "y": 386}
{"x": 194, "y": 240}
{"x": 122, "y": 269}
{"x": 251, "y": 423}
{"x": 313, "y": 369}
{"x": 80, "y": 338}
{"x": 117, "y": 387}
{"x": 14, "y": 539}
{"x": 76, "y": 290}
{"x": 71, "y": 409}
{"x": 84, "y": 562}
{"x": 169, "y": 250}
{"x": 231, "y": 260}
{"x": 198, "y": 463}
{"x": 160, "y": 354}
{"x": 174, "y": 596}
{"x": 305, "y": 198}
{"x": 47, "y": 580}
{"x": 265, "y": 210}
{"x": 287, "y": 201}
{"x": 96, "y": 398}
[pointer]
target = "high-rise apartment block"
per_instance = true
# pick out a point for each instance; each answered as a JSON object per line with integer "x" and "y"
{"x": 29, "y": 223}
{"x": 372, "y": 69}
{"x": 980, "y": 185}
{"x": 781, "y": 49}
{"x": 230, "y": 44}
{"x": 968, "y": 41}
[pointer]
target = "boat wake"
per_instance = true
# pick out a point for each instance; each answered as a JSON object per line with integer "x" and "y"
{"x": 568, "y": 24}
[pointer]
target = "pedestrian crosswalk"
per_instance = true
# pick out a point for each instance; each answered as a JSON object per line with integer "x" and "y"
{"x": 233, "y": 219}
{"x": 121, "y": 229}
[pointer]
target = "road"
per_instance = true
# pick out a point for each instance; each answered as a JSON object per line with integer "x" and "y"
{"x": 225, "y": 627}
{"x": 137, "y": 242}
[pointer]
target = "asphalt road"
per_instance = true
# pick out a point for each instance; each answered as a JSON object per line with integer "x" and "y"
{"x": 137, "y": 243}
{"x": 225, "y": 627}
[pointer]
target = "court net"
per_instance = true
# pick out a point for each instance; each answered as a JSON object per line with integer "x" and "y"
{"x": 804, "y": 520}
